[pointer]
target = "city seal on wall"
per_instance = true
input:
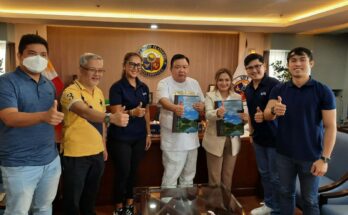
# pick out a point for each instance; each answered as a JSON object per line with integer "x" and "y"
{"x": 240, "y": 83}
{"x": 154, "y": 60}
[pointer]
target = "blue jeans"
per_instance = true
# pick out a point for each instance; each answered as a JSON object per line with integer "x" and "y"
{"x": 288, "y": 169}
{"x": 31, "y": 188}
{"x": 266, "y": 163}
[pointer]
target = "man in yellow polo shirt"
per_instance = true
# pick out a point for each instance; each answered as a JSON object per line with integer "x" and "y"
{"x": 84, "y": 137}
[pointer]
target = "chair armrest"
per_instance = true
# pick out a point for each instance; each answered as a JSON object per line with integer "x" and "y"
{"x": 335, "y": 184}
{"x": 325, "y": 196}
{"x": 3, "y": 200}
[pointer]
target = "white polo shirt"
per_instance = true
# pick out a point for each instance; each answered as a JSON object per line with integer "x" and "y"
{"x": 168, "y": 88}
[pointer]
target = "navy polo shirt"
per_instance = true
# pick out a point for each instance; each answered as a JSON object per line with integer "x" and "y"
{"x": 265, "y": 132}
{"x": 31, "y": 145}
{"x": 124, "y": 94}
{"x": 300, "y": 130}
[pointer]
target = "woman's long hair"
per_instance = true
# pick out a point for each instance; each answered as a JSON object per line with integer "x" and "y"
{"x": 220, "y": 72}
{"x": 126, "y": 59}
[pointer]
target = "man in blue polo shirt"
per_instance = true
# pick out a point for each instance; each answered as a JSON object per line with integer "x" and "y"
{"x": 29, "y": 159}
{"x": 302, "y": 106}
{"x": 262, "y": 132}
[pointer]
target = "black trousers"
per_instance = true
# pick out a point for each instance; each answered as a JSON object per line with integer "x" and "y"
{"x": 126, "y": 156}
{"x": 81, "y": 178}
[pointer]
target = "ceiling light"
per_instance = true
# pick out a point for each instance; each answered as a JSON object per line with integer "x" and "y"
{"x": 322, "y": 10}
{"x": 153, "y": 205}
{"x": 154, "y": 26}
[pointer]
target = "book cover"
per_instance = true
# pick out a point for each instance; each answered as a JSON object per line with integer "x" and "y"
{"x": 188, "y": 122}
{"x": 232, "y": 124}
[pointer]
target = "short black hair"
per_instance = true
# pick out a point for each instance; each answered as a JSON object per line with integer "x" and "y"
{"x": 300, "y": 51}
{"x": 28, "y": 39}
{"x": 252, "y": 57}
{"x": 177, "y": 57}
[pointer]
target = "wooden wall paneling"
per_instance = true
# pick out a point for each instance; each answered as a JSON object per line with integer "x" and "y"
{"x": 207, "y": 51}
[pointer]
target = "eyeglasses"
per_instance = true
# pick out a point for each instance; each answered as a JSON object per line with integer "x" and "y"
{"x": 133, "y": 65}
{"x": 93, "y": 70}
{"x": 258, "y": 66}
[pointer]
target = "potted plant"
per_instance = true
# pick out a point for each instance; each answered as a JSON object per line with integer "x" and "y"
{"x": 281, "y": 72}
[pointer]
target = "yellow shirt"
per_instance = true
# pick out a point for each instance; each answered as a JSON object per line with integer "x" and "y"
{"x": 80, "y": 136}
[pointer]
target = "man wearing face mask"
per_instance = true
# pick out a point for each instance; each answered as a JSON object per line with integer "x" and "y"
{"x": 29, "y": 158}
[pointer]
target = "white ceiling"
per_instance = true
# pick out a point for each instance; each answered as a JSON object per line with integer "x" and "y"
{"x": 293, "y": 16}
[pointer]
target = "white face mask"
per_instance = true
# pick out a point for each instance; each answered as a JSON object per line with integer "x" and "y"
{"x": 35, "y": 64}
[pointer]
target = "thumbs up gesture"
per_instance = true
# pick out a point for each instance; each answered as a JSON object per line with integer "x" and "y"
{"x": 138, "y": 111}
{"x": 279, "y": 107}
{"x": 258, "y": 115}
{"x": 221, "y": 110}
{"x": 120, "y": 118}
{"x": 198, "y": 106}
{"x": 53, "y": 116}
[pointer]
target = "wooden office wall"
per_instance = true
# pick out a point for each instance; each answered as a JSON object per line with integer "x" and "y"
{"x": 207, "y": 51}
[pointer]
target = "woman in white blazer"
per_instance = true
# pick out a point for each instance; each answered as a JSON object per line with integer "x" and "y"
{"x": 221, "y": 151}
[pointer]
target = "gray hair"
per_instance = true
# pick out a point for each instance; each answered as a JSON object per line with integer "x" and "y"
{"x": 86, "y": 57}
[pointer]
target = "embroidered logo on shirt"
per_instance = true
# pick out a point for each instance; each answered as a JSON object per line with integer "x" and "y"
{"x": 185, "y": 92}
{"x": 263, "y": 93}
{"x": 70, "y": 96}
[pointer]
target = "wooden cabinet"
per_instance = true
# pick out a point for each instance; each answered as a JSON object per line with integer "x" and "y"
{"x": 245, "y": 178}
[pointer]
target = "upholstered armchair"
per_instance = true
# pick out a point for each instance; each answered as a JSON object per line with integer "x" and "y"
{"x": 337, "y": 207}
{"x": 336, "y": 179}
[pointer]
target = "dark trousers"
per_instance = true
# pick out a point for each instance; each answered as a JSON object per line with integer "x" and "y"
{"x": 81, "y": 178}
{"x": 126, "y": 156}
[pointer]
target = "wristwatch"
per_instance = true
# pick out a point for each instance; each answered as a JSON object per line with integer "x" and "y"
{"x": 107, "y": 119}
{"x": 272, "y": 111}
{"x": 325, "y": 159}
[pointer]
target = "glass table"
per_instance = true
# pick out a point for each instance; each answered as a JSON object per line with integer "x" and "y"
{"x": 199, "y": 199}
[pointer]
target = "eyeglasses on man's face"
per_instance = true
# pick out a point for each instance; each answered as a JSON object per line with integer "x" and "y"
{"x": 94, "y": 70}
{"x": 250, "y": 68}
{"x": 133, "y": 65}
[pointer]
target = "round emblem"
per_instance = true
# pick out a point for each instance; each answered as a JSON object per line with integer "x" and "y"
{"x": 154, "y": 60}
{"x": 240, "y": 83}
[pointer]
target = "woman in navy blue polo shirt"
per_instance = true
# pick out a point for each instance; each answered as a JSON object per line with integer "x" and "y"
{"x": 127, "y": 145}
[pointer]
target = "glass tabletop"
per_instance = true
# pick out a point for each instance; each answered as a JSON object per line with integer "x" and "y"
{"x": 200, "y": 199}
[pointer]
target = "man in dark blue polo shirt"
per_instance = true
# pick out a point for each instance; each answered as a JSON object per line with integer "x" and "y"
{"x": 29, "y": 159}
{"x": 303, "y": 107}
{"x": 262, "y": 132}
